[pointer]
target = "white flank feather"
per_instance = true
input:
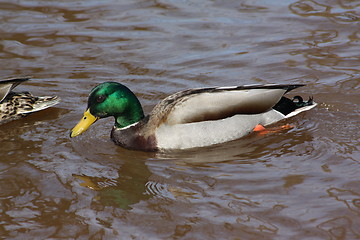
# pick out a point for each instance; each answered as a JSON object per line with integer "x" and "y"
{"x": 199, "y": 134}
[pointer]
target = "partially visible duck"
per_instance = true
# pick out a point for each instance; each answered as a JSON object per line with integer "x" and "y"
{"x": 15, "y": 105}
{"x": 190, "y": 118}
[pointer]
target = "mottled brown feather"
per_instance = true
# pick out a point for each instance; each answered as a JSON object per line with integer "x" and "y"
{"x": 15, "y": 105}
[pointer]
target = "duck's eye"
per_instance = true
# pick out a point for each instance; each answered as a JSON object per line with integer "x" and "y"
{"x": 100, "y": 98}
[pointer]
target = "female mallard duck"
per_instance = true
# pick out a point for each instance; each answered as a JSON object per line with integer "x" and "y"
{"x": 15, "y": 105}
{"x": 190, "y": 118}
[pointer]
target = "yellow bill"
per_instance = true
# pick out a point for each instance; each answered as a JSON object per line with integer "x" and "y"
{"x": 84, "y": 124}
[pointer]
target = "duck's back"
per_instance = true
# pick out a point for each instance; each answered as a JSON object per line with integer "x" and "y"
{"x": 205, "y": 104}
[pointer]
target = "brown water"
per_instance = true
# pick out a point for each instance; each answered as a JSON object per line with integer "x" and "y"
{"x": 303, "y": 183}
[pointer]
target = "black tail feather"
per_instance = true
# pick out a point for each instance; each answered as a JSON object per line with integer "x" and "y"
{"x": 286, "y": 105}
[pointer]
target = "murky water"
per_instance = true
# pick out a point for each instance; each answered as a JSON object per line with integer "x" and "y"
{"x": 303, "y": 183}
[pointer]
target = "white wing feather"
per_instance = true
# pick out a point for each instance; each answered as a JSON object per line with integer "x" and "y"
{"x": 219, "y": 105}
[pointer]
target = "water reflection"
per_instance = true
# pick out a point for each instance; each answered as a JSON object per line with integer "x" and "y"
{"x": 292, "y": 180}
{"x": 349, "y": 198}
{"x": 131, "y": 184}
{"x": 310, "y": 8}
{"x": 315, "y": 8}
{"x": 340, "y": 228}
{"x": 20, "y": 137}
{"x": 129, "y": 188}
{"x": 135, "y": 182}
{"x": 297, "y": 184}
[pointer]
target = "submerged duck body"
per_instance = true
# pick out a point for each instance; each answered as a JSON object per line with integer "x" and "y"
{"x": 190, "y": 118}
{"x": 15, "y": 105}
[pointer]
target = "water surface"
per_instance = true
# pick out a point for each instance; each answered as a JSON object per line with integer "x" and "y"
{"x": 302, "y": 183}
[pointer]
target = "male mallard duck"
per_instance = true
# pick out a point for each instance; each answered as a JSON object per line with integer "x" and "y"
{"x": 15, "y": 105}
{"x": 190, "y": 118}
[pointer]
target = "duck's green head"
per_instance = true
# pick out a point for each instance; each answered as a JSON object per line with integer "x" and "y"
{"x": 110, "y": 99}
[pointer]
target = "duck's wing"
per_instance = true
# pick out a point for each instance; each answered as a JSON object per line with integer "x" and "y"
{"x": 18, "y": 105}
{"x": 6, "y": 85}
{"x": 30, "y": 103}
{"x": 205, "y": 104}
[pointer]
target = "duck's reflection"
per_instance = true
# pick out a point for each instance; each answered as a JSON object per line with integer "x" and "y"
{"x": 144, "y": 175}
{"x": 129, "y": 188}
